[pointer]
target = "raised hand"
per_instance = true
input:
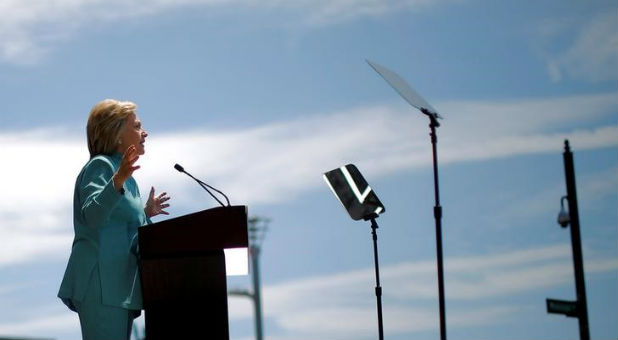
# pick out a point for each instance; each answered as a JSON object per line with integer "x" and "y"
{"x": 126, "y": 168}
{"x": 156, "y": 204}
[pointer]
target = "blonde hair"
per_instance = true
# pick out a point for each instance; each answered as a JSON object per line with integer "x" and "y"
{"x": 105, "y": 124}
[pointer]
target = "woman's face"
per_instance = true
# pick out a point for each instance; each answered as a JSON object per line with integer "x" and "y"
{"x": 133, "y": 134}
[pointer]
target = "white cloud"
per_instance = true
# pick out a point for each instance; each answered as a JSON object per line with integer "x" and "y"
{"x": 39, "y": 181}
{"x": 591, "y": 188}
{"x": 329, "y": 11}
{"x": 601, "y": 185}
{"x": 48, "y": 324}
{"x": 30, "y": 28}
{"x": 526, "y": 115}
{"x": 356, "y": 322}
{"x": 593, "y": 53}
{"x": 484, "y": 130}
{"x": 342, "y": 305}
{"x": 279, "y": 161}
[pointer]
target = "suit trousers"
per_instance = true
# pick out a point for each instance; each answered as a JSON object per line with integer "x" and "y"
{"x": 102, "y": 322}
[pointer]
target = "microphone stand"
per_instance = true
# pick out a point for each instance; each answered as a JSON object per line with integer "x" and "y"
{"x": 205, "y": 186}
{"x": 437, "y": 213}
{"x": 222, "y": 194}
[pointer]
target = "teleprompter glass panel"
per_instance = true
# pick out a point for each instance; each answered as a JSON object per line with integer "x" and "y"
{"x": 405, "y": 90}
{"x": 354, "y": 193}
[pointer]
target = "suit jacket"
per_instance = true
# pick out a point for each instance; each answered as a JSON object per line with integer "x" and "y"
{"x": 105, "y": 223}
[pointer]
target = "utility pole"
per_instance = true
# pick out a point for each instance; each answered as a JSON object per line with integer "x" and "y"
{"x": 257, "y": 230}
{"x": 578, "y": 308}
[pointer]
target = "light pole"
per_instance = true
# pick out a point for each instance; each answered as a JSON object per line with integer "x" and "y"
{"x": 257, "y": 230}
{"x": 578, "y": 308}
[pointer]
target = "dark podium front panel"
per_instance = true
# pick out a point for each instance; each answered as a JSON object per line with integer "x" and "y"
{"x": 183, "y": 272}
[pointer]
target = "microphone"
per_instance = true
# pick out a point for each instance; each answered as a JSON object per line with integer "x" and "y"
{"x": 203, "y": 185}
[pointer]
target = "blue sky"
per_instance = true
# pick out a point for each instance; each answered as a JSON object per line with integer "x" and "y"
{"x": 259, "y": 98}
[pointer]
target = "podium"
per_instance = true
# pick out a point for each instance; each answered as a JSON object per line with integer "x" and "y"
{"x": 183, "y": 277}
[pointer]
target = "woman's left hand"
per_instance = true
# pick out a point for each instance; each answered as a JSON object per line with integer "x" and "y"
{"x": 156, "y": 204}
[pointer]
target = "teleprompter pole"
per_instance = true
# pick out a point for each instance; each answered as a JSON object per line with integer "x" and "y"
{"x": 418, "y": 102}
{"x": 374, "y": 226}
{"x": 576, "y": 243}
{"x": 437, "y": 213}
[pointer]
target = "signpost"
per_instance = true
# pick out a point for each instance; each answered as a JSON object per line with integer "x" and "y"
{"x": 579, "y": 307}
{"x": 568, "y": 308}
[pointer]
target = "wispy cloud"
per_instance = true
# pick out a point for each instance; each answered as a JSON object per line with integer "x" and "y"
{"x": 592, "y": 188}
{"x": 343, "y": 305}
{"x": 31, "y": 28}
{"x": 279, "y": 161}
{"x": 42, "y": 324}
{"x": 592, "y": 54}
{"x": 37, "y": 219}
{"x": 480, "y": 130}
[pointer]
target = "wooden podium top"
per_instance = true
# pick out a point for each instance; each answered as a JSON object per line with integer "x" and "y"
{"x": 204, "y": 231}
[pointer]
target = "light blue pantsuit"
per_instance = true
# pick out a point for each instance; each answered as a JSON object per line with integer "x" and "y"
{"x": 101, "y": 282}
{"x": 96, "y": 319}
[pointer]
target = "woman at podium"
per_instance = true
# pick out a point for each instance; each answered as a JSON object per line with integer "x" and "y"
{"x": 101, "y": 282}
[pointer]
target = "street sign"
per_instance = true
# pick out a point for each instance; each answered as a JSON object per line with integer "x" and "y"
{"x": 568, "y": 308}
